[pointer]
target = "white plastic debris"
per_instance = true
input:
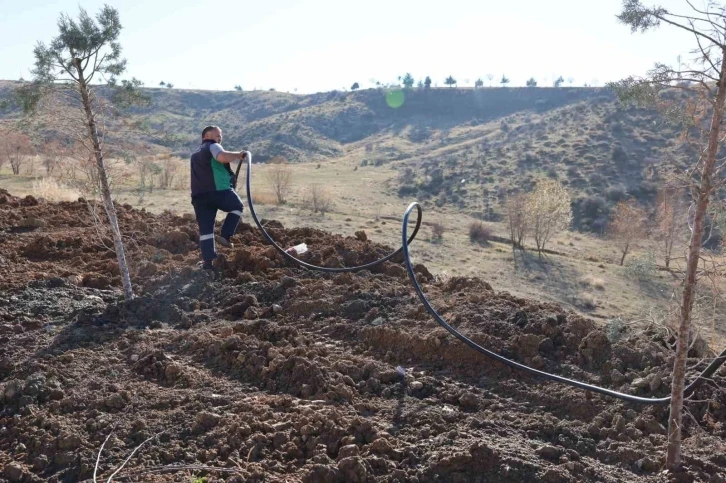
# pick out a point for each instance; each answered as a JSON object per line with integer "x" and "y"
{"x": 297, "y": 249}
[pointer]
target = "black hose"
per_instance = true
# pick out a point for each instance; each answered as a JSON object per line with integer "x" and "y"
{"x": 715, "y": 364}
{"x": 405, "y": 241}
{"x": 305, "y": 264}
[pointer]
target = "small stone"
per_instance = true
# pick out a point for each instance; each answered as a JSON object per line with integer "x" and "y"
{"x": 208, "y": 420}
{"x": 348, "y": 450}
{"x": 617, "y": 376}
{"x": 381, "y": 446}
{"x": 12, "y": 389}
{"x": 619, "y": 423}
{"x": 66, "y": 358}
{"x": 288, "y": 282}
{"x": 69, "y": 442}
{"x": 546, "y": 346}
{"x": 115, "y": 401}
{"x": 172, "y": 371}
{"x": 353, "y": 469}
{"x": 550, "y": 452}
{"x": 538, "y": 362}
{"x": 64, "y": 458}
{"x": 276, "y": 309}
{"x": 279, "y": 439}
{"x": 552, "y": 475}
{"x": 251, "y": 313}
{"x": 40, "y": 462}
{"x": 396, "y": 271}
{"x": 134, "y": 357}
{"x": 416, "y": 385}
{"x": 272, "y": 352}
{"x": 650, "y": 425}
{"x": 656, "y": 382}
{"x": 640, "y": 383}
{"x": 6, "y": 365}
{"x": 372, "y": 314}
{"x": 14, "y": 472}
{"x": 650, "y": 464}
{"x": 469, "y": 401}
{"x": 31, "y": 222}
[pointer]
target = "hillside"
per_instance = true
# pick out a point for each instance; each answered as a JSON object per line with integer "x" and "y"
{"x": 459, "y": 152}
{"x": 600, "y": 150}
{"x": 303, "y": 125}
{"x": 463, "y": 148}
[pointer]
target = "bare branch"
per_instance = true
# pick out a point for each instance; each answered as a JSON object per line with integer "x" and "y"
{"x": 129, "y": 457}
{"x": 689, "y": 29}
{"x": 98, "y": 458}
{"x": 717, "y": 27}
{"x": 706, "y": 55}
{"x": 708, "y": 14}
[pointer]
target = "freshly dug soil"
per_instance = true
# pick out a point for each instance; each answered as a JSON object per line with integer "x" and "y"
{"x": 272, "y": 373}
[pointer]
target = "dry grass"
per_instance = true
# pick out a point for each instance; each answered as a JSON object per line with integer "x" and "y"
{"x": 592, "y": 281}
{"x": 264, "y": 198}
{"x": 52, "y": 190}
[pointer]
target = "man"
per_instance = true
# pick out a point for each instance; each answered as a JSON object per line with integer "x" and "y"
{"x": 212, "y": 182}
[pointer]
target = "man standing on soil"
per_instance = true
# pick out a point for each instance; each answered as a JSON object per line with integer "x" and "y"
{"x": 212, "y": 190}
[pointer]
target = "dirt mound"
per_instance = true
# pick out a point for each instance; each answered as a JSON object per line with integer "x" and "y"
{"x": 274, "y": 373}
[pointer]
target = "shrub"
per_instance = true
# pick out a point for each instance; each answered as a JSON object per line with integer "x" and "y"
{"x": 279, "y": 176}
{"x": 593, "y": 281}
{"x": 51, "y": 190}
{"x": 318, "y": 198}
{"x": 479, "y": 233}
{"x": 616, "y": 193}
{"x": 587, "y": 301}
{"x": 615, "y": 329}
{"x": 641, "y": 268}
{"x": 619, "y": 155}
{"x": 437, "y": 231}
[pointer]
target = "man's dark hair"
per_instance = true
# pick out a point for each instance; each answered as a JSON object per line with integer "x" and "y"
{"x": 207, "y": 129}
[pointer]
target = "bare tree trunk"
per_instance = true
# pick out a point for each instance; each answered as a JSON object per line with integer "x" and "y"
{"x": 673, "y": 456}
{"x": 625, "y": 252}
{"x": 105, "y": 190}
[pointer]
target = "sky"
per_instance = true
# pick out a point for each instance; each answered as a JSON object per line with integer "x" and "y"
{"x": 321, "y": 45}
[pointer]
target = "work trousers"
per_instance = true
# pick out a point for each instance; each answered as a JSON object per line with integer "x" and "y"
{"x": 206, "y": 206}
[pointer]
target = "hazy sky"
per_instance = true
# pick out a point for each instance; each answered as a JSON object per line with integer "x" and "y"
{"x": 319, "y": 45}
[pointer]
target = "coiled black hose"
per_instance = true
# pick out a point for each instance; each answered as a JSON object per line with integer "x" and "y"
{"x": 405, "y": 241}
{"x": 297, "y": 260}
